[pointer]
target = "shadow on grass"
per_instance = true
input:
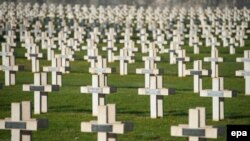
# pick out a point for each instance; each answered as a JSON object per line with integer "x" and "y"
{"x": 238, "y": 116}
{"x": 5, "y": 107}
{"x": 184, "y": 89}
{"x": 134, "y": 112}
{"x": 175, "y": 113}
{"x": 68, "y": 108}
{"x": 147, "y": 113}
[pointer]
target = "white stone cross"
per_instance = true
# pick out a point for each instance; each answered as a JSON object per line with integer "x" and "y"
{"x": 56, "y": 70}
{"x": 246, "y": 71}
{"x": 182, "y": 59}
{"x": 214, "y": 59}
{"x": 197, "y": 72}
{"x": 9, "y": 69}
{"x": 110, "y": 35}
{"x": 110, "y": 48}
{"x": 156, "y": 93}
{"x": 150, "y": 67}
{"x": 41, "y": 89}
{"x": 44, "y": 38}
{"x": 130, "y": 46}
{"x": 240, "y": 36}
{"x": 7, "y": 51}
{"x": 160, "y": 40}
{"x": 174, "y": 46}
{"x": 124, "y": 59}
{"x": 99, "y": 86}
{"x": 213, "y": 42}
{"x": 66, "y": 55}
{"x": 218, "y": 94}
{"x": 50, "y": 46}
{"x": 224, "y": 36}
{"x": 50, "y": 29}
{"x": 34, "y": 55}
{"x": 232, "y": 45}
{"x": 106, "y": 125}
{"x": 94, "y": 35}
{"x": 127, "y": 34}
{"x": 196, "y": 44}
{"x": 92, "y": 52}
{"x": 21, "y": 124}
{"x": 72, "y": 43}
{"x": 10, "y": 38}
{"x": 196, "y": 129}
{"x": 143, "y": 35}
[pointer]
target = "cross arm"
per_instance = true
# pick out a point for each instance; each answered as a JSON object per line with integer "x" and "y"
{"x": 185, "y": 59}
{"x": 28, "y": 125}
{"x": 242, "y": 59}
{"x": 102, "y": 90}
{"x": 162, "y": 91}
{"x": 151, "y": 58}
{"x": 125, "y": 58}
{"x": 55, "y": 69}
{"x": 242, "y": 73}
{"x": 142, "y": 42}
{"x": 9, "y": 68}
{"x": 38, "y": 55}
{"x": 148, "y": 71}
{"x": 197, "y": 72}
{"x": 185, "y": 131}
{"x": 210, "y": 59}
{"x": 6, "y": 53}
{"x": 86, "y": 57}
{"x": 44, "y": 88}
{"x": 101, "y": 70}
{"x": 116, "y": 128}
{"x": 222, "y": 93}
{"x": 109, "y": 48}
{"x": 70, "y": 57}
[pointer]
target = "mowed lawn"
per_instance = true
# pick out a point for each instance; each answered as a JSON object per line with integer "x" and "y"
{"x": 68, "y": 107}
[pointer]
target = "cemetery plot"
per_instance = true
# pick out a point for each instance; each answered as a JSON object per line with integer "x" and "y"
{"x": 78, "y": 48}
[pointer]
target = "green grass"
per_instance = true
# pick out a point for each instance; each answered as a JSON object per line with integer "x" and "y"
{"x": 68, "y": 107}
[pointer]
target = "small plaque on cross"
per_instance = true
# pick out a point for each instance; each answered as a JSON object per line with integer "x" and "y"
{"x": 15, "y": 125}
{"x": 195, "y": 72}
{"x": 193, "y": 132}
{"x": 36, "y": 88}
{"x": 94, "y": 90}
{"x": 102, "y": 128}
{"x": 216, "y": 93}
{"x": 153, "y": 91}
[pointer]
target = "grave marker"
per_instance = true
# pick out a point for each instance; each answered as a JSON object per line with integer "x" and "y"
{"x": 156, "y": 93}
{"x": 40, "y": 89}
{"x": 21, "y": 124}
{"x": 218, "y": 94}
{"x": 214, "y": 59}
{"x": 182, "y": 59}
{"x": 106, "y": 125}
{"x": 10, "y": 70}
{"x": 124, "y": 59}
{"x": 197, "y": 72}
{"x": 34, "y": 55}
{"x": 196, "y": 129}
{"x": 246, "y": 71}
{"x": 99, "y": 86}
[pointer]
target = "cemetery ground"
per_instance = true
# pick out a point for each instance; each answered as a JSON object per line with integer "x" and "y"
{"x": 67, "y": 108}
